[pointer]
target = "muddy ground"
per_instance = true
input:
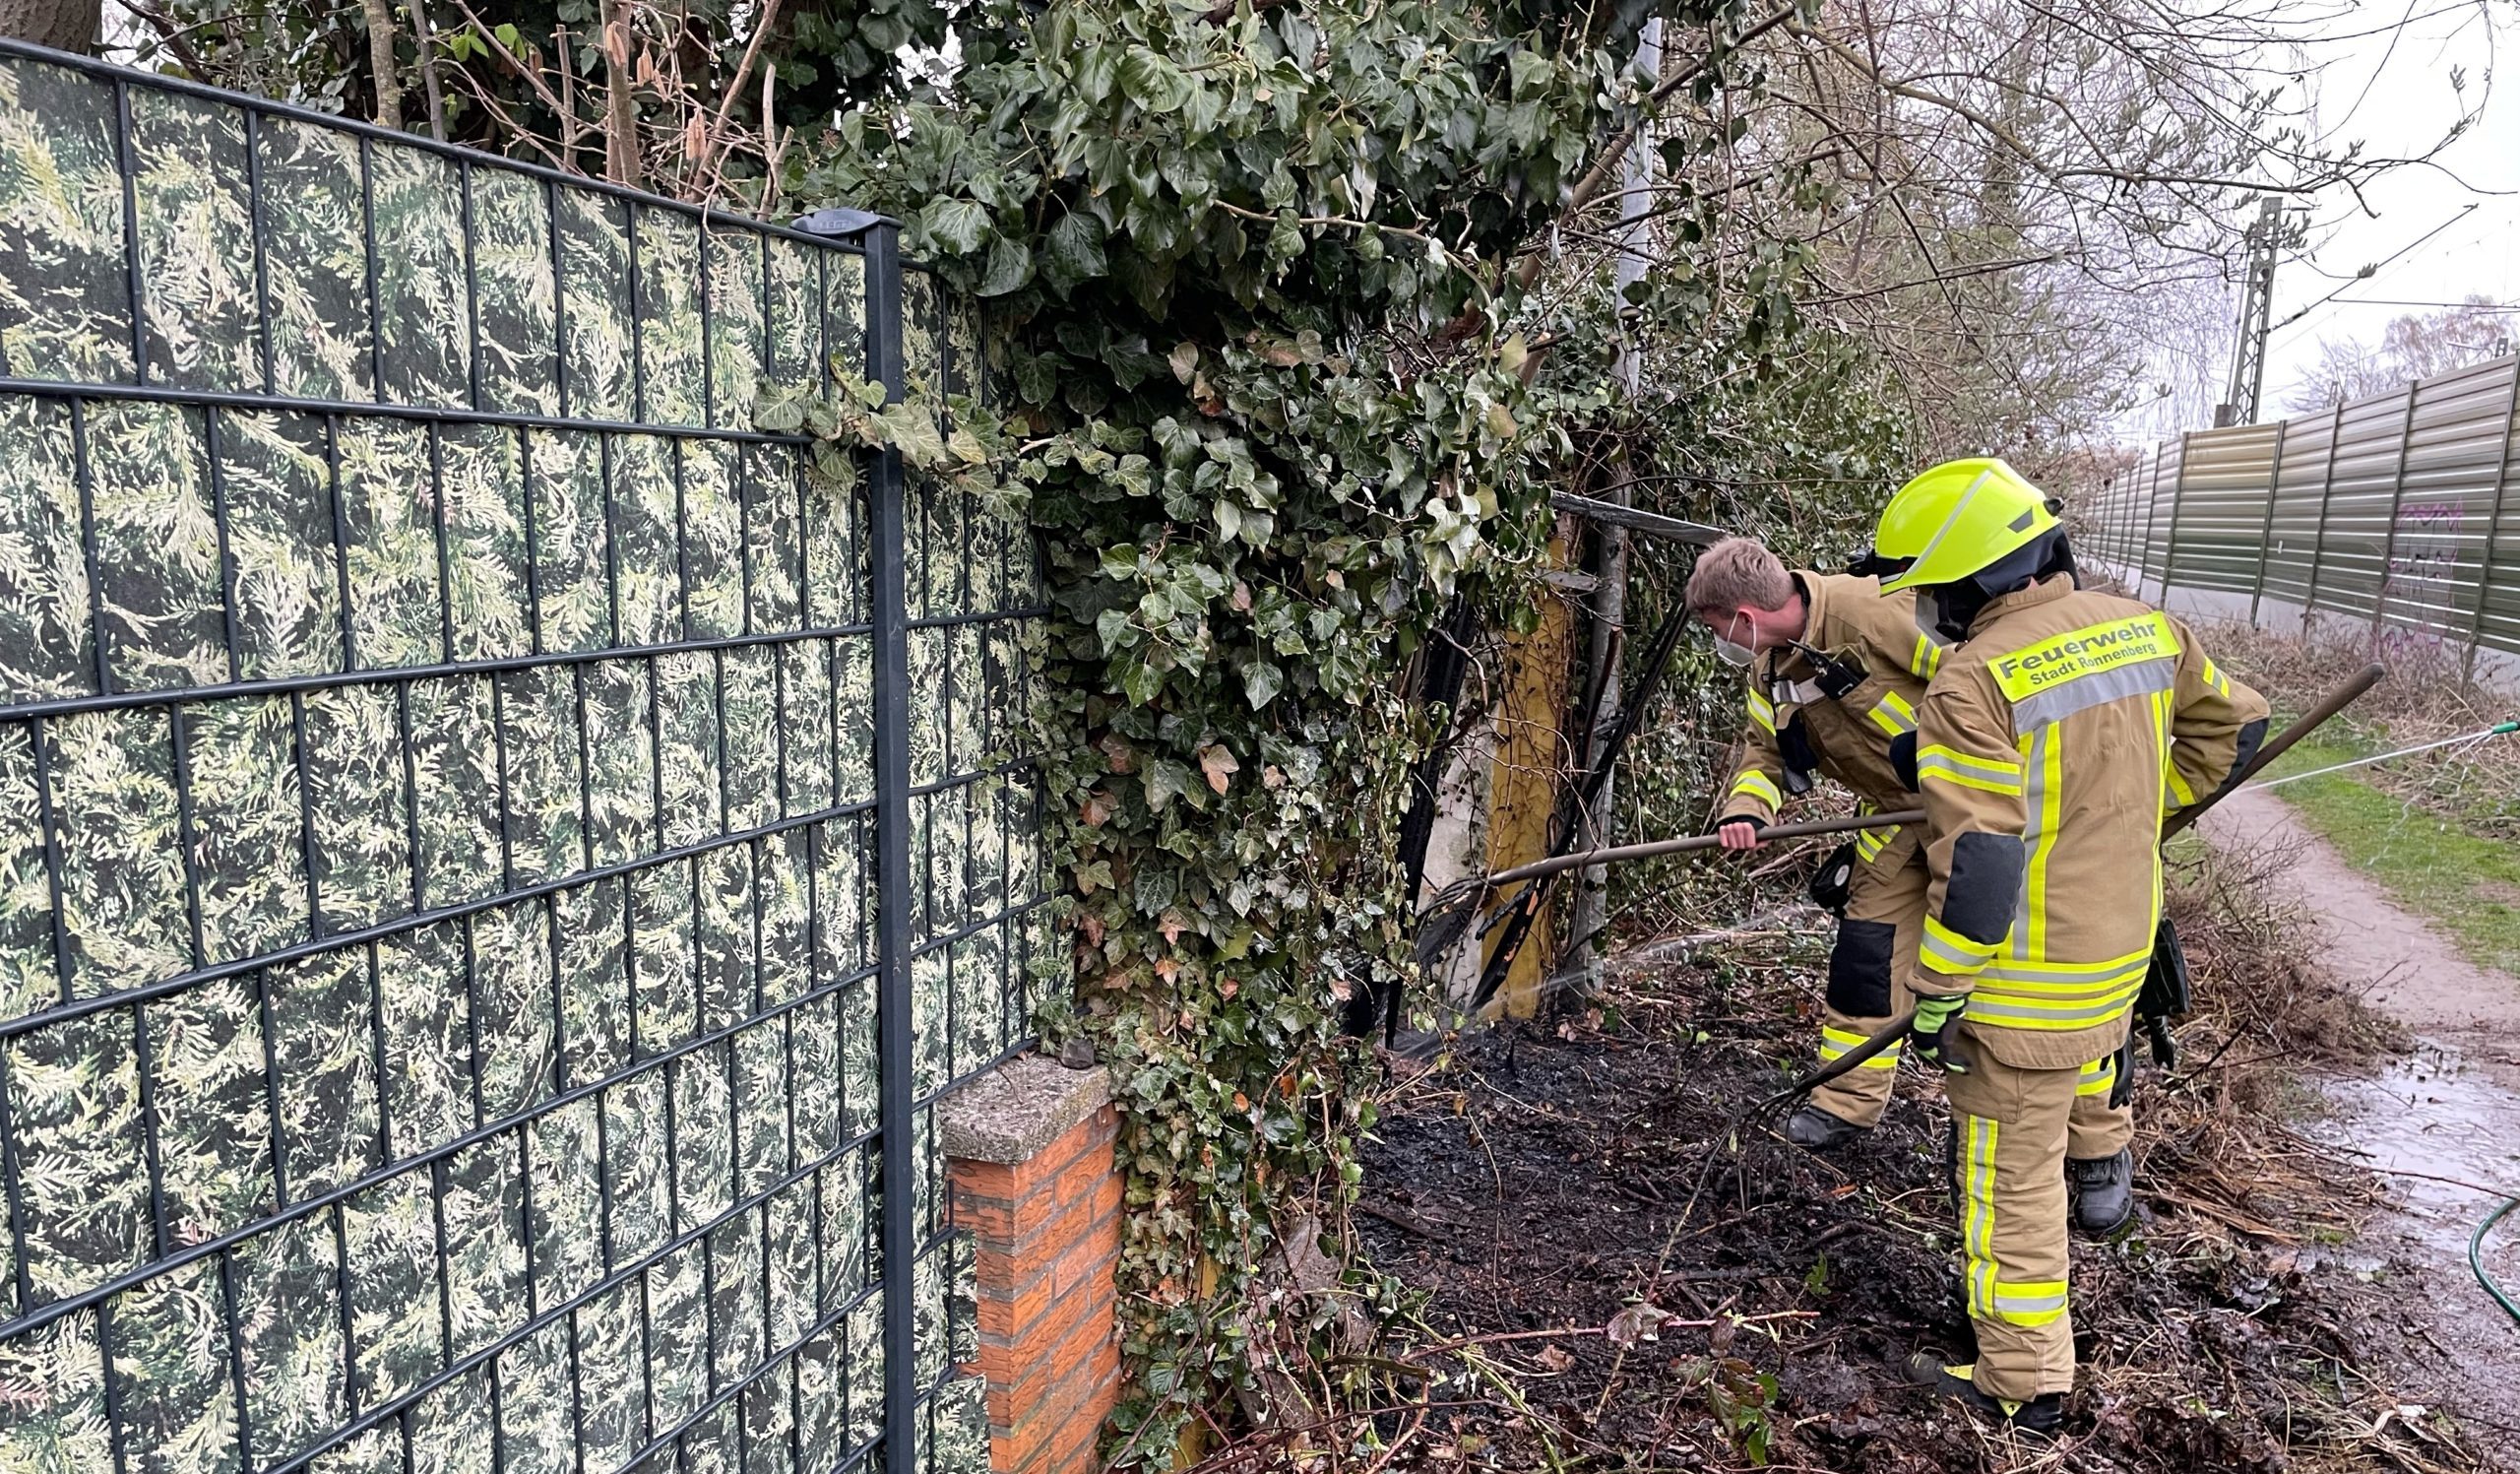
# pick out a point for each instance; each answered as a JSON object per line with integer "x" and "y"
{"x": 1551, "y": 1187}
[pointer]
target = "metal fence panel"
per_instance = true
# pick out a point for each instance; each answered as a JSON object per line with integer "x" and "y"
{"x": 501, "y": 857}
{"x": 2361, "y": 505}
{"x": 2437, "y": 538}
{"x": 2396, "y": 510}
{"x": 2300, "y": 496}
{"x": 2222, "y": 507}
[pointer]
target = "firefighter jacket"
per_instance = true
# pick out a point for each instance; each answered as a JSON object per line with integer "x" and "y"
{"x": 1849, "y": 737}
{"x": 2048, "y": 748}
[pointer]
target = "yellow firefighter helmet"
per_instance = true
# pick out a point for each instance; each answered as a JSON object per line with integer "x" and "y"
{"x": 1956, "y": 519}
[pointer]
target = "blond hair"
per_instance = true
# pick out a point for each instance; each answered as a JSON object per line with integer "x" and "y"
{"x": 1738, "y": 572}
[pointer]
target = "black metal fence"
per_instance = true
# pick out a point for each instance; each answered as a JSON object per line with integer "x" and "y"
{"x": 497, "y": 858}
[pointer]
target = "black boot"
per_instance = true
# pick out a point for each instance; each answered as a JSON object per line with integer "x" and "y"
{"x": 2042, "y": 1415}
{"x": 2102, "y": 1190}
{"x": 1819, "y": 1130}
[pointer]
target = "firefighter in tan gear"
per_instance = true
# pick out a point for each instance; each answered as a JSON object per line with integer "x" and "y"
{"x": 1834, "y": 674}
{"x": 2050, "y": 743}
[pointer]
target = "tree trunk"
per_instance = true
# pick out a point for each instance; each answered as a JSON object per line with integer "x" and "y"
{"x": 380, "y": 61}
{"x": 63, "y": 25}
{"x": 620, "y": 109}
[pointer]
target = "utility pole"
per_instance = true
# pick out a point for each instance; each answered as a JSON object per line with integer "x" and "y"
{"x": 2257, "y": 310}
{"x": 1610, "y": 598}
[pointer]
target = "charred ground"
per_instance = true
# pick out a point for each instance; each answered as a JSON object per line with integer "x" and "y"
{"x": 1551, "y": 1189}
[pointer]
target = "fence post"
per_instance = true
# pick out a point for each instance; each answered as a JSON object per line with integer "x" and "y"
{"x": 2177, "y": 501}
{"x": 2493, "y": 528}
{"x": 2266, "y": 530}
{"x": 889, "y": 595}
{"x": 2397, "y": 499}
{"x": 2152, "y": 515}
{"x": 2318, "y": 538}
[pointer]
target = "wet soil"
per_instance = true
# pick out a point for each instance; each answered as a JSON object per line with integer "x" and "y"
{"x": 1546, "y": 1181}
{"x": 2441, "y": 1125}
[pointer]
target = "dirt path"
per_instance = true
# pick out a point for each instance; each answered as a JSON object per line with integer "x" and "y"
{"x": 2450, "y": 1109}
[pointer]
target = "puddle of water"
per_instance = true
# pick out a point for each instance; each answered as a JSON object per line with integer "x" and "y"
{"x": 2433, "y": 1113}
{"x": 2445, "y": 1117}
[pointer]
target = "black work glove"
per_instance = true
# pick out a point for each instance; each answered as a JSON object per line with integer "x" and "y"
{"x": 2123, "y": 1089}
{"x": 1933, "y": 1034}
{"x": 1903, "y": 759}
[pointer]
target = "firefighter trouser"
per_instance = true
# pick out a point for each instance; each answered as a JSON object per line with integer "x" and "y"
{"x": 2010, "y": 1127}
{"x": 1868, "y": 971}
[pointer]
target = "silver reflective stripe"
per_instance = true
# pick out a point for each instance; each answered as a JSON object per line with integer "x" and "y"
{"x": 1953, "y": 519}
{"x": 2082, "y": 983}
{"x": 1982, "y": 1006}
{"x": 2160, "y": 673}
{"x": 2019, "y": 1303}
{"x": 2034, "y": 784}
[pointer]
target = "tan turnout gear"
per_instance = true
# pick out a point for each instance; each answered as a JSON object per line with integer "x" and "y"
{"x": 1889, "y": 892}
{"x": 2049, "y": 747}
{"x": 1849, "y": 618}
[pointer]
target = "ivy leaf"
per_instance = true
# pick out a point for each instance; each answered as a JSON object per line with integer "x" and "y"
{"x": 1261, "y": 682}
{"x": 1140, "y": 681}
{"x": 1219, "y": 764}
{"x": 1010, "y": 266}
{"x": 1184, "y": 359}
{"x": 911, "y": 430}
{"x": 781, "y": 413}
{"x": 1153, "y": 82}
{"x": 1073, "y": 251}
{"x": 956, "y": 224}
{"x": 1166, "y": 781}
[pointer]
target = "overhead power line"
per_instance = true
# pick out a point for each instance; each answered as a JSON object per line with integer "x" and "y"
{"x": 2373, "y": 269}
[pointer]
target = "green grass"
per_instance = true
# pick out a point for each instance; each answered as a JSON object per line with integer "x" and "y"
{"x": 2466, "y": 882}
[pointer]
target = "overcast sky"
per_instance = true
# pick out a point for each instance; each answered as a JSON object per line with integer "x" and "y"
{"x": 2408, "y": 104}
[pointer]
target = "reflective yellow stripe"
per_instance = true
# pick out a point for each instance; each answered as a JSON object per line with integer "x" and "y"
{"x": 1926, "y": 659}
{"x": 1758, "y": 785}
{"x": 1869, "y": 844}
{"x": 2034, "y": 1302}
{"x": 2006, "y": 1010}
{"x": 1978, "y": 1216}
{"x": 1951, "y": 952}
{"x": 1962, "y": 770}
{"x": 1836, "y": 1041}
{"x": 1894, "y": 714}
{"x": 1763, "y": 713}
{"x": 2097, "y": 1076}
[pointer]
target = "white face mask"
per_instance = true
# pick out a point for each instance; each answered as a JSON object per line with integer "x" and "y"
{"x": 1731, "y": 654}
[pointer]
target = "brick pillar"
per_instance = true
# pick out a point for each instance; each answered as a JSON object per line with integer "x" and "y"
{"x": 1029, "y": 1151}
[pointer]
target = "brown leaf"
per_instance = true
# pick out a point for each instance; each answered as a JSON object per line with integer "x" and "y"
{"x": 1228, "y": 989}
{"x": 1098, "y": 810}
{"x": 1640, "y": 1322}
{"x": 1122, "y": 757}
{"x": 1219, "y": 764}
{"x": 1241, "y": 597}
{"x": 1557, "y": 1358}
{"x": 1170, "y": 926}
